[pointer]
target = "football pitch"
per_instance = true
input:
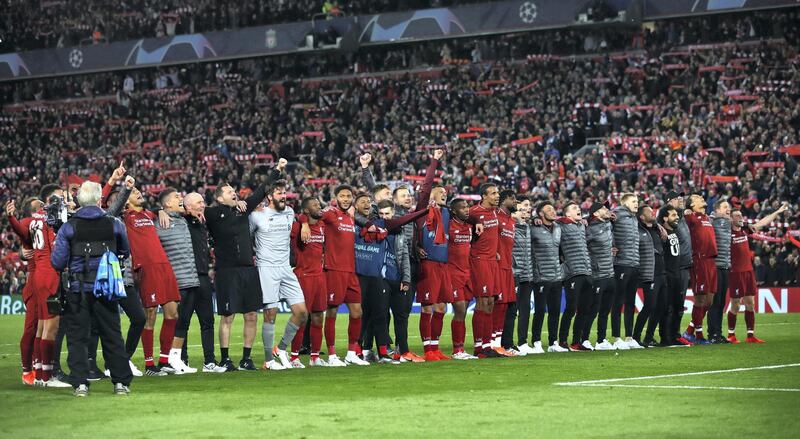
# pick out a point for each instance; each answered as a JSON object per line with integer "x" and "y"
{"x": 704, "y": 391}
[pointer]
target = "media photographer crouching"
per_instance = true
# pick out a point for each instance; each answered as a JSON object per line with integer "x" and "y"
{"x": 88, "y": 245}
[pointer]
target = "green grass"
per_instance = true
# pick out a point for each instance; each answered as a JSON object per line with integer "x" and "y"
{"x": 487, "y": 398}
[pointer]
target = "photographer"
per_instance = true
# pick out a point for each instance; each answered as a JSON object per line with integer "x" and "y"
{"x": 80, "y": 245}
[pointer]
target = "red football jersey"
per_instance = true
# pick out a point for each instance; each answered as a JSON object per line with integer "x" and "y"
{"x": 458, "y": 246}
{"x": 340, "y": 240}
{"x": 506, "y": 243}
{"x": 146, "y": 248}
{"x": 485, "y": 247}
{"x": 308, "y": 255}
{"x": 704, "y": 243}
{"x": 741, "y": 256}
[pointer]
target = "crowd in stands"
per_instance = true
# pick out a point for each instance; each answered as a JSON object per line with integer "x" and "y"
{"x": 722, "y": 119}
{"x": 63, "y": 23}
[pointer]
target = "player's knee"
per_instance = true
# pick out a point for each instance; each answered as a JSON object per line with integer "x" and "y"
{"x": 252, "y": 317}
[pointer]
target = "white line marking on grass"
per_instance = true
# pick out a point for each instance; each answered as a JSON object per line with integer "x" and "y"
{"x": 596, "y": 383}
{"x": 640, "y": 386}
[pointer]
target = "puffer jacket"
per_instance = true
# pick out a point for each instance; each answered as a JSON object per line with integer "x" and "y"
{"x": 574, "y": 249}
{"x": 546, "y": 264}
{"x": 685, "y": 240}
{"x": 722, "y": 231}
{"x": 626, "y": 238}
{"x": 647, "y": 264}
{"x": 522, "y": 253}
{"x": 177, "y": 242}
{"x": 599, "y": 239}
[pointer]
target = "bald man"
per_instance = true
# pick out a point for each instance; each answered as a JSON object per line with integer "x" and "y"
{"x": 194, "y": 205}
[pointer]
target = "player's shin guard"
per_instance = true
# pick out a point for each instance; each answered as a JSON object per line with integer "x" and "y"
{"x": 696, "y": 325}
{"x": 37, "y": 358}
{"x": 26, "y": 349}
{"x": 353, "y": 333}
{"x": 165, "y": 339}
{"x": 425, "y": 330}
{"x": 750, "y": 321}
{"x": 459, "y": 333}
{"x": 147, "y": 346}
{"x": 731, "y": 323}
{"x": 330, "y": 334}
{"x": 477, "y": 329}
{"x": 315, "y": 334}
{"x": 437, "y": 322}
{"x": 498, "y": 320}
{"x": 297, "y": 342}
{"x": 46, "y": 348}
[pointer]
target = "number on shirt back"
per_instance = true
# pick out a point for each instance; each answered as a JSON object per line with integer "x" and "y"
{"x": 37, "y": 234}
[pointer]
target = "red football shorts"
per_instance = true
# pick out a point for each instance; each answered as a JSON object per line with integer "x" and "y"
{"x": 157, "y": 285}
{"x": 434, "y": 284}
{"x": 506, "y": 288}
{"x": 342, "y": 288}
{"x": 43, "y": 285}
{"x": 703, "y": 276}
{"x": 314, "y": 291}
{"x": 459, "y": 285}
{"x": 483, "y": 275}
{"x": 742, "y": 284}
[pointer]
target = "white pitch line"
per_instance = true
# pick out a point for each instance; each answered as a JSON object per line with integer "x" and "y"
{"x": 641, "y": 386}
{"x": 674, "y": 375}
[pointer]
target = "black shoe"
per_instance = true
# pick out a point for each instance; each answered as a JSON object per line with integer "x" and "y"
{"x": 491, "y": 353}
{"x": 650, "y": 344}
{"x": 723, "y": 340}
{"x": 247, "y": 364}
{"x": 304, "y": 350}
{"x": 717, "y": 339}
{"x": 61, "y": 376}
{"x": 227, "y": 364}
{"x": 154, "y": 371}
{"x": 95, "y": 374}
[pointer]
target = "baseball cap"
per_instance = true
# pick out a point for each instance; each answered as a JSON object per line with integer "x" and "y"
{"x": 671, "y": 195}
{"x": 597, "y": 206}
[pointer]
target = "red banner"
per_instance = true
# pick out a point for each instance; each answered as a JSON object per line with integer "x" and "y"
{"x": 526, "y": 140}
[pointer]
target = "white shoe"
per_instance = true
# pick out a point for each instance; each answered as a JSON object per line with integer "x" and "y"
{"x": 537, "y": 348}
{"x": 464, "y": 356}
{"x": 213, "y": 368}
{"x": 297, "y": 364}
{"x": 587, "y": 345}
{"x": 525, "y": 349}
{"x": 318, "y": 362}
{"x": 352, "y": 358}
{"x": 168, "y": 369}
{"x": 135, "y": 370}
{"x": 273, "y": 365}
{"x": 180, "y": 367}
{"x": 334, "y": 361}
{"x": 620, "y": 345}
{"x": 633, "y": 344}
{"x": 55, "y": 383}
{"x": 604, "y": 346}
{"x": 555, "y": 347}
{"x": 283, "y": 357}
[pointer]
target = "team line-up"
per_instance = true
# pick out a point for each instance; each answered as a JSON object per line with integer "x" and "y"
{"x": 375, "y": 252}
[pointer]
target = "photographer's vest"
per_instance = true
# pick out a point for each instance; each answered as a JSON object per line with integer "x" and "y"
{"x": 92, "y": 239}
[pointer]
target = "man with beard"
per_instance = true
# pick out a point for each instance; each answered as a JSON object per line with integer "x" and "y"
{"x": 271, "y": 228}
{"x": 507, "y": 295}
{"x": 157, "y": 283}
{"x": 523, "y": 276}
{"x": 676, "y": 305}
{"x": 668, "y": 219}
{"x": 743, "y": 279}
{"x": 580, "y": 297}
{"x": 653, "y": 277}
{"x": 458, "y": 250}
{"x": 704, "y": 267}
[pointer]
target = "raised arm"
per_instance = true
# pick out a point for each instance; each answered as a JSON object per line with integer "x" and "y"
{"x": 395, "y": 224}
{"x": 115, "y": 209}
{"x": 366, "y": 174}
{"x": 763, "y": 222}
{"x": 112, "y": 181}
{"x": 20, "y": 229}
{"x": 427, "y": 184}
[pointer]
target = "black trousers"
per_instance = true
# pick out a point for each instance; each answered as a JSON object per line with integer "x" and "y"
{"x": 400, "y": 302}
{"x": 524, "y": 290}
{"x": 132, "y": 306}
{"x": 546, "y": 299}
{"x": 81, "y": 311}
{"x": 717, "y": 308}
{"x": 375, "y": 308}
{"x": 627, "y": 282}
{"x": 676, "y": 297}
{"x": 507, "y": 339}
{"x": 606, "y": 288}
{"x": 660, "y": 293}
{"x": 581, "y": 303}
{"x": 197, "y": 301}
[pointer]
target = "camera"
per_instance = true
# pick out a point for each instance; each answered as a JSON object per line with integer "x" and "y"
{"x": 56, "y": 211}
